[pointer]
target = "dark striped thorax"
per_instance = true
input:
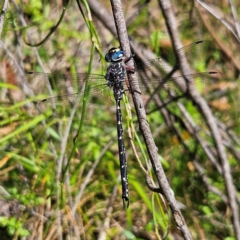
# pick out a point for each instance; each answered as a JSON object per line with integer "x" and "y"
{"x": 116, "y": 71}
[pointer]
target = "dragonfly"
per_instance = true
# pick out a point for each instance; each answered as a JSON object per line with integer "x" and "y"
{"x": 93, "y": 92}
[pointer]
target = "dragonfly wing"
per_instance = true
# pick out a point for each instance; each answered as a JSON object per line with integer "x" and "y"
{"x": 61, "y": 92}
{"x": 162, "y": 75}
{"x": 177, "y": 88}
{"x": 61, "y": 84}
{"x": 193, "y": 53}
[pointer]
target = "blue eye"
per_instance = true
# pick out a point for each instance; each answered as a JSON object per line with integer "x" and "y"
{"x": 108, "y": 57}
{"x": 117, "y": 55}
{"x": 114, "y": 55}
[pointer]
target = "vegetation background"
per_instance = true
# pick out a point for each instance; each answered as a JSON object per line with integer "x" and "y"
{"x": 38, "y": 201}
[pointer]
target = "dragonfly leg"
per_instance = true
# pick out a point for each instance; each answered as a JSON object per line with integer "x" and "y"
{"x": 128, "y": 68}
{"x": 127, "y": 59}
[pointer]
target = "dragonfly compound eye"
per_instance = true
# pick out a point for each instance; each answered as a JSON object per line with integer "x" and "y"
{"x": 114, "y": 55}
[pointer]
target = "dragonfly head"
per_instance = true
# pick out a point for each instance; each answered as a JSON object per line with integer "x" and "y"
{"x": 114, "y": 55}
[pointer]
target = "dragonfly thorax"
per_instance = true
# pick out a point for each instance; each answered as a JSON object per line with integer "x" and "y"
{"x": 115, "y": 76}
{"x": 115, "y": 73}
